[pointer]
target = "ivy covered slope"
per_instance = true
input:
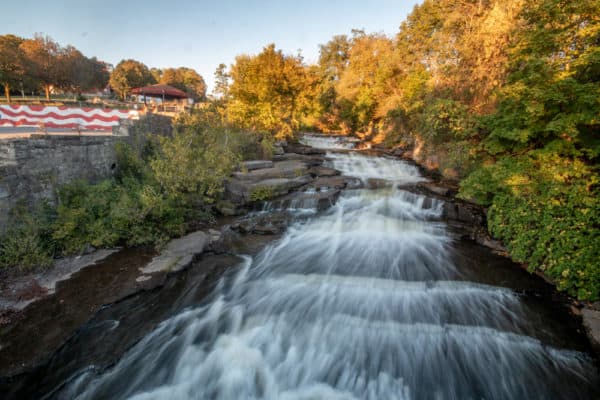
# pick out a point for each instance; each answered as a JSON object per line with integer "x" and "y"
{"x": 540, "y": 170}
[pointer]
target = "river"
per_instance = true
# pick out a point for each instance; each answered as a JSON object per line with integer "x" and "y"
{"x": 375, "y": 298}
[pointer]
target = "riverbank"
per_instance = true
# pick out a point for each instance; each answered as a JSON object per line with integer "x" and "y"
{"x": 51, "y": 305}
{"x": 472, "y": 219}
{"x": 206, "y": 255}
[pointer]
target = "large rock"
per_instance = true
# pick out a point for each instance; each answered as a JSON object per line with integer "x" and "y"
{"x": 242, "y": 191}
{"x": 437, "y": 188}
{"x": 255, "y": 164}
{"x": 591, "y": 322}
{"x": 309, "y": 199}
{"x": 281, "y": 169}
{"x": 178, "y": 254}
{"x": 463, "y": 212}
{"x": 308, "y": 160}
{"x": 334, "y": 183}
{"x": 319, "y": 171}
{"x": 302, "y": 149}
{"x": 271, "y": 223}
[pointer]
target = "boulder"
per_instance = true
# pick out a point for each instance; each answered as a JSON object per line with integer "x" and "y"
{"x": 435, "y": 188}
{"x": 271, "y": 223}
{"x": 308, "y": 160}
{"x": 178, "y": 254}
{"x": 319, "y": 171}
{"x": 334, "y": 183}
{"x": 302, "y": 149}
{"x": 241, "y": 192}
{"x": 255, "y": 164}
{"x": 591, "y": 322}
{"x": 281, "y": 169}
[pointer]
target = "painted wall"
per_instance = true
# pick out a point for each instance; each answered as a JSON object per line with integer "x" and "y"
{"x": 95, "y": 119}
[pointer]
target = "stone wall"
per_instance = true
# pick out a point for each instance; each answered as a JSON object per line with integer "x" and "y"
{"x": 33, "y": 168}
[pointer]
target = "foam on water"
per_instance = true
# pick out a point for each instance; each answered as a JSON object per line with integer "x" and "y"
{"x": 366, "y": 167}
{"x": 329, "y": 142}
{"x": 362, "y": 302}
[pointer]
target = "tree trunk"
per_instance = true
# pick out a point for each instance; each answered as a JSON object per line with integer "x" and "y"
{"x": 47, "y": 89}
{"x": 7, "y": 92}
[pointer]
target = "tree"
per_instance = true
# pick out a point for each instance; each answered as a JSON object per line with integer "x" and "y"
{"x": 185, "y": 79}
{"x": 265, "y": 90}
{"x": 129, "y": 74}
{"x": 77, "y": 73}
{"x": 221, "y": 89}
{"x": 12, "y": 63}
{"x": 42, "y": 62}
{"x": 360, "y": 84}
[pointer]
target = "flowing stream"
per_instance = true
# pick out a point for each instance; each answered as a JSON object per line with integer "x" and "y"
{"x": 368, "y": 300}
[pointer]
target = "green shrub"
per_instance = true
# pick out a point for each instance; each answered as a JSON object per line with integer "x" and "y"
{"x": 261, "y": 193}
{"x": 546, "y": 210}
{"x": 27, "y": 245}
{"x": 158, "y": 193}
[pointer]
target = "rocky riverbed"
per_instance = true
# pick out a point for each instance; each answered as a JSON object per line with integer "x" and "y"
{"x": 64, "y": 307}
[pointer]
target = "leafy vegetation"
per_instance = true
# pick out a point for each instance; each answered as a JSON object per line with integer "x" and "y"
{"x": 157, "y": 193}
{"x": 504, "y": 95}
{"x": 261, "y": 193}
{"x": 28, "y": 64}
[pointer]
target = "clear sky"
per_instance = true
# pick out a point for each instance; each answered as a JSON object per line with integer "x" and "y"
{"x": 198, "y": 34}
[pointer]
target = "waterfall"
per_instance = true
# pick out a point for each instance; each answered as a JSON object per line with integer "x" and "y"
{"x": 364, "y": 301}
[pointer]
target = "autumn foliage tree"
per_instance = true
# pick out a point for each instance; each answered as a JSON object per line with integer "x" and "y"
{"x": 266, "y": 90}
{"x": 129, "y": 74}
{"x": 185, "y": 79}
{"x": 42, "y": 63}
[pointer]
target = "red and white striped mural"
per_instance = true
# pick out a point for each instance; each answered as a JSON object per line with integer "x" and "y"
{"x": 93, "y": 119}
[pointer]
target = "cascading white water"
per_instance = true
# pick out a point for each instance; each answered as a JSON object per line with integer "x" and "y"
{"x": 365, "y": 167}
{"x": 363, "y": 302}
{"x": 329, "y": 142}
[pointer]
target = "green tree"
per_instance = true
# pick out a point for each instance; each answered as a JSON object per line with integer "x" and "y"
{"x": 42, "y": 62}
{"x": 129, "y": 74}
{"x": 185, "y": 79}
{"x": 195, "y": 162}
{"x": 221, "y": 89}
{"x": 12, "y": 63}
{"x": 542, "y": 145}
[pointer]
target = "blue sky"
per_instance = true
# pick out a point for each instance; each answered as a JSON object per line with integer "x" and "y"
{"x": 198, "y": 34}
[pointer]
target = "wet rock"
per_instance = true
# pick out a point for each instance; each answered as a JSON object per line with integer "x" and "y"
{"x": 308, "y": 160}
{"x": 278, "y": 148}
{"x": 9, "y": 316}
{"x": 255, "y": 164}
{"x": 309, "y": 199}
{"x": 241, "y": 192}
{"x": 332, "y": 183}
{"x": 281, "y": 169}
{"x": 591, "y": 322}
{"x": 216, "y": 241}
{"x": 377, "y": 183}
{"x": 435, "y": 188}
{"x": 227, "y": 208}
{"x": 462, "y": 212}
{"x": 17, "y": 293}
{"x": 483, "y": 238}
{"x": 178, "y": 254}
{"x": 323, "y": 171}
{"x": 271, "y": 223}
{"x": 301, "y": 149}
